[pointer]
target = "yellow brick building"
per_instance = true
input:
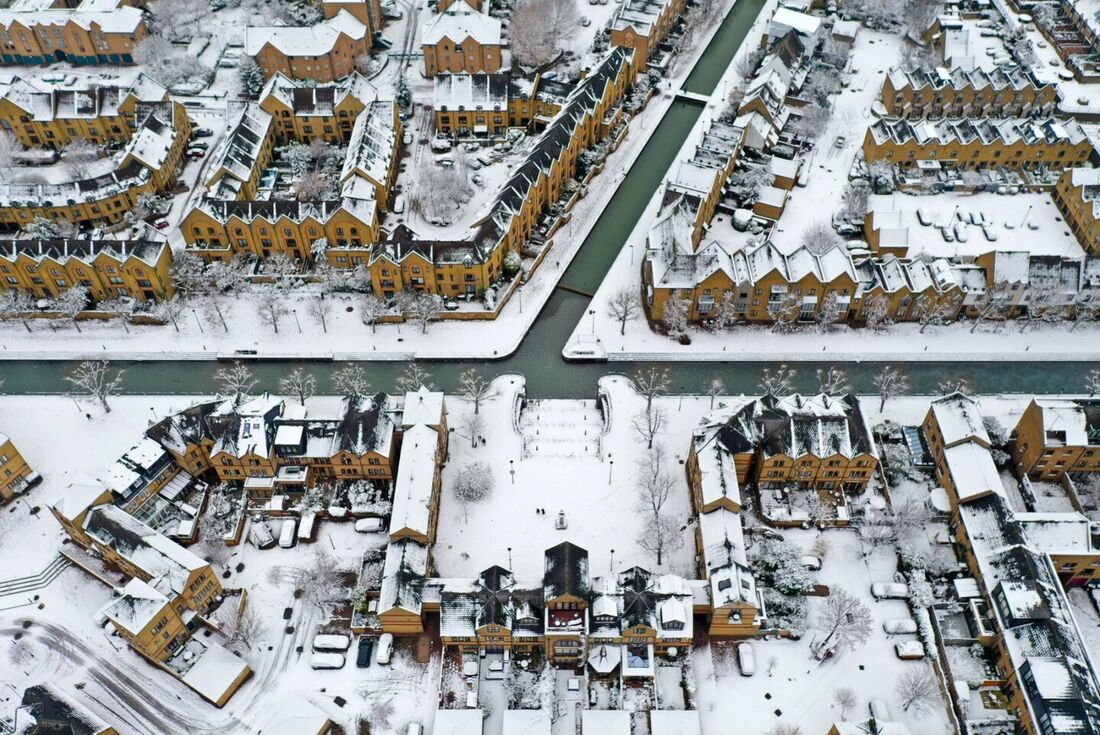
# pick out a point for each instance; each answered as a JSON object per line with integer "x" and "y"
{"x": 103, "y": 34}
{"x": 1077, "y": 195}
{"x": 16, "y": 476}
{"x": 109, "y": 269}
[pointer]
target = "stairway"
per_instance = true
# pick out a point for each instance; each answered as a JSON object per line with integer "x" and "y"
{"x": 22, "y": 585}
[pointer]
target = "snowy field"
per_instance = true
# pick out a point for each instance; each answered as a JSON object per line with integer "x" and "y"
{"x": 562, "y": 464}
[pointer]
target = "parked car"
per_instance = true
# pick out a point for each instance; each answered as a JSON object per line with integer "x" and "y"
{"x": 160, "y": 224}
{"x": 195, "y": 155}
{"x": 202, "y": 132}
{"x": 288, "y": 534}
{"x": 327, "y": 643}
{"x": 899, "y": 626}
{"x": 880, "y": 711}
{"x": 811, "y": 562}
{"x": 840, "y": 141}
{"x": 327, "y": 661}
{"x": 407, "y": 138}
{"x": 909, "y": 650}
{"x": 363, "y": 652}
{"x": 259, "y": 533}
{"x": 746, "y": 658}
{"x": 199, "y": 144}
{"x": 469, "y": 666}
{"x": 399, "y": 204}
{"x": 586, "y": 21}
{"x": 414, "y": 729}
{"x": 889, "y": 591}
{"x": 385, "y": 649}
{"x": 368, "y": 525}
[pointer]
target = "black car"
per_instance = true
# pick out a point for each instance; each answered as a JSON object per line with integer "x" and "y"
{"x": 363, "y": 652}
{"x": 202, "y": 132}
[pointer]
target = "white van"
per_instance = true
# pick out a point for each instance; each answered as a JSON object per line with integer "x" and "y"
{"x": 331, "y": 643}
{"x": 327, "y": 661}
{"x": 746, "y": 658}
{"x": 305, "y": 528}
{"x": 399, "y": 206}
{"x": 368, "y": 525}
{"x": 288, "y": 534}
{"x": 385, "y": 649}
{"x": 414, "y": 729}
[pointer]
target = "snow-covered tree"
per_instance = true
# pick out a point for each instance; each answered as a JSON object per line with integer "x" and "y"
{"x": 169, "y": 310}
{"x": 844, "y": 621}
{"x": 473, "y": 484}
{"x": 189, "y": 273}
{"x": 917, "y": 689}
{"x": 280, "y": 267}
{"x": 78, "y": 155}
{"x": 648, "y": 424}
{"x": 16, "y": 305}
{"x": 229, "y": 275}
{"x": 889, "y": 382}
{"x": 313, "y": 186}
{"x": 72, "y": 302}
{"x": 318, "y": 311}
{"x": 217, "y": 311}
{"x": 235, "y": 380}
{"x": 876, "y": 313}
{"x": 371, "y": 309}
{"x": 932, "y": 312}
{"x": 42, "y": 229}
{"x": 727, "y": 314}
{"x": 298, "y": 156}
{"x": 10, "y": 147}
{"x": 778, "y": 564}
{"x": 784, "y": 311}
{"x": 300, "y": 383}
{"x": 539, "y": 27}
{"x": 947, "y": 386}
{"x": 251, "y": 76}
{"x": 675, "y": 318}
{"x": 1092, "y": 382}
{"x": 996, "y": 305}
{"x": 413, "y": 378}
{"x": 832, "y": 381}
{"x": 245, "y": 629}
{"x": 319, "y": 579}
{"x": 652, "y": 382}
{"x": 178, "y": 19}
{"x": 819, "y": 237}
{"x": 785, "y": 728}
{"x": 715, "y": 387}
{"x": 777, "y": 382}
{"x": 475, "y": 387}
{"x": 855, "y": 199}
{"x": 271, "y": 307}
{"x": 624, "y": 306}
{"x": 811, "y": 122}
{"x": 351, "y": 380}
{"x": 823, "y": 83}
{"x": 97, "y": 379}
{"x": 827, "y": 312}
{"x": 473, "y": 424}
{"x": 420, "y": 307}
{"x": 747, "y": 181}
{"x": 660, "y": 536}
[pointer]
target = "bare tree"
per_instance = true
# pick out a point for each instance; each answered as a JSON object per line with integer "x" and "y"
{"x": 474, "y": 426}
{"x": 10, "y": 147}
{"x": 16, "y": 305}
{"x": 96, "y": 378}
{"x": 78, "y": 155}
{"x": 785, "y": 728}
{"x": 845, "y": 698}
{"x": 659, "y": 536}
{"x": 318, "y": 310}
{"x": 271, "y": 306}
{"x": 727, "y": 314}
{"x": 995, "y": 306}
{"x": 625, "y": 306}
{"x": 1046, "y": 302}
{"x": 785, "y": 310}
{"x": 217, "y": 311}
{"x": 235, "y": 380}
{"x": 313, "y": 186}
{"x": 933, "y": 312}
{"x": 811, "y": 122}
{"x": 420, "y": 308}
{"x": 299, "y": 383}
{"x": 660, "y": 533}
{"x": 351, "y": 380}
{"x": 473, "y": 484}
{"x": 917, "y": 689}
{"x": 715, "y": 387}
{"x": 648, "y": 425}
{"x": 953, "y": 385}
{"x": 229, "y": 275}
{"x": 72, "y": 303}
{"x": 246, "y": 629}
{"x": 652, "y": 382}
{"x": 475, "y": 387}
{"x": 1092, "y": 382}
{"x": 828, "y": 312}
{"x": 876, "y": 313}
{"x": 538, "y": 27}
{"x": 319, "y": 580}
{"x": 675, "y": 318}
{"x": 777, "y": 382}
{"x": 413, "y": 377}
{"x": 855, "y": 199}
{"x": 890, "y": 382}
{"x": 189, "y": 273}
{"x": 371, "y": 308}
{"x": 832, "y": 381}
{"x": 280, "y": 267}
{"x": 820, "y": 237}
{"x": 844, "y": 620}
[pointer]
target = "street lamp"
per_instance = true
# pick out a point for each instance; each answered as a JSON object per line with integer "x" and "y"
{"x": 610, "y": 469}
{"x": 295, "y": 312}
{"x": 512, "y": 470}
{"x": 196, "y": 314}
{"x": 592, "y": 313}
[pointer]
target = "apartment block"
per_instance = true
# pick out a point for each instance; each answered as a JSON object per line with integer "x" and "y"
{"x": 1056, "y": 437}
{"x": 1077, "y": 195}
{"x": 33, "y": 32}
{"x": 324, "y": 52}
{"x": 109, "y": 269}
{"x": 955, "y": 93}
{"x": 643, "y": 25}
{"x": 462, "y": 39}
{"x": 16, "y": 476}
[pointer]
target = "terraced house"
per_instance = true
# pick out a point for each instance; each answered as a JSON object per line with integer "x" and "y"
{"x": 1077, "y": 195}
{"x": 955, "y": 93}
{"x": 109, "y": 269}
{"x": 643, "y": 25}
{"x": 148, "y": 165}
{"x": 489, "y": 104}
{"x": 34, "y": 32}
{"x": 978, "y": 143}
{"x": 462, "y": 39}
{"x": 53, "y": 117}
{"x": 238, "y": 162}
{"x": 304, "y": 112}
{"x": 1058, "y": 437}
{"x": 323, "y": 52}
{"x": 16, "y": 476}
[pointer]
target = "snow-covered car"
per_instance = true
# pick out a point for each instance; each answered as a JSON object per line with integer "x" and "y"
{"x": 288, "y": 534}
{"x": 909, "y": 650}
{"x": 574, "y": 684}
{"x": 259, "y": 533}
{"x": 586, "y": 21}
{"x": 195, "y": 155}
{"x": 898, "y": 626}
{"x": 327, "y": 643}
{"x": 451, "y": 306}
{"x": 889, "y": 591}
{"x": 385, "y": 649}
{"x": 368, "y": 525}
{"x": 811, "y": 562}
{"x": 198, "y": 145}
{"x": 469, "y": 667}
{"x": 399, "y": 204}
{"x": 840, "y": 141}
{"x": 880, "y": 711}
{"x": 746, "y": 658}
{"x": 414, "y": 729}
{"x": 327, "y": 661}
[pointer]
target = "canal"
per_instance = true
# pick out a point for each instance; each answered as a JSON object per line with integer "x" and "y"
{"x": 539, "y": 356}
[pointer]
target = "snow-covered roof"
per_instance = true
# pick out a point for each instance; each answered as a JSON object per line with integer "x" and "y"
{"x": 723, "y": 538}
{"x": 313, "y": 40}
{"x": 215, "y": 672}
{"x": 471, "y": 92}
{"x": 457, "y": 722}
{"x": 959, "y": 420}
{"x": 605, "y": 722}
{"x": 372, "y": 146}
{"x": 76, "y": 499}
{"x": 403, "y": 576}
{"x": 459, "y": 22}
{"x": 123, "y": 19}
{"x": 674, "y": 722}
{"x": 1057, "y": 533}
{"x": 526, "y": 722}
{"x": 137, "y": 606}
{"x": 423, "y": 406}
{"x": 972, "y": 471}
{"x": 785, "y": 20}
{"x": 43, "y": 704}
{"x": 293, "y": 715}
{"x": 412, "y": 494}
